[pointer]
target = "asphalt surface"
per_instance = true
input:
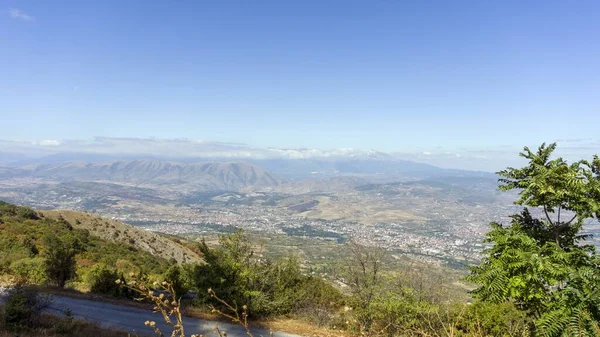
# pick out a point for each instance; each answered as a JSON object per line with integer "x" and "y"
{"x": 132, "y": 319}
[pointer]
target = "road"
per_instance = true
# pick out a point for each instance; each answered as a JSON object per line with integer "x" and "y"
{"x": 132, "y": 319}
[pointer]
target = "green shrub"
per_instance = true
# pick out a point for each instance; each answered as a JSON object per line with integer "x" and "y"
{"x": 503, "y": 319}
{"x": 23, "y": 307}
{"x": 21, "y": 212}
{"x": 26, "y": 238}
{"x": 31, "y": 269}
{"x": 175, "y": 276}
{"x": 102, "y": 281}
{"x": 267, "y": 287}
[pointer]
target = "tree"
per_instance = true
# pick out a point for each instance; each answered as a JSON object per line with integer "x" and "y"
{"x": 540, "y": 262}
{"x": 362, "y": 273}
{"x": 267, "y": 287}
{"x": 174, "y": 276}
{"x": 101, "y": 280}
{"x": 60, "y": 259}
{"x": 230, "y": 269}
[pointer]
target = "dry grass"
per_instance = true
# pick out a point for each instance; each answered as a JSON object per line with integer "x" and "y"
{"x": 6, "y": 280}
{"x": 301, "y": 328}
{"x": 288, "y": 325}
{"x": 117, "y": 231}
{"x": 358, "y": 211}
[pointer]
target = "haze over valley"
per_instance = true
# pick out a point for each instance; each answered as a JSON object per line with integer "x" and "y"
{"x": 412, "y": 208}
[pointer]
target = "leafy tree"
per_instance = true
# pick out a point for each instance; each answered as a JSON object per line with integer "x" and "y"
{"x": 540, "y": 263}
{"x": 229, "y": 269}
{"x": 101, "y": 279}
{"x": 267, "y": 287}
{"x": 175, "y": 277}
{"x": 60, "y": 259}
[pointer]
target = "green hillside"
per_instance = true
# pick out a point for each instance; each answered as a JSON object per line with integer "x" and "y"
{"x": 27, "y": 237}
{"x": 118, "y": 232}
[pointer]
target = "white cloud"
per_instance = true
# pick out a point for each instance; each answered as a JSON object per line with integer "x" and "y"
{"x": 49, "y": 142}
{"x": 177, "y": 148}
{"x": 185, "y": 148}
{"x": 20, "y": 15}
{"x": 486, "y": 159}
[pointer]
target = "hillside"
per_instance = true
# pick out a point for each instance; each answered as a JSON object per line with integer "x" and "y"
{"x": 155, "y": 173}
{"x": 118, "y": 232}
{"x": 26, "y": 236}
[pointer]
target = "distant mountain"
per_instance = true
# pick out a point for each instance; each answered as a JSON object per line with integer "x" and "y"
{"x": 289, "y": 164}
{"x": 201, "y": 176}
{"x": 378, "y": 167}
{"x": 7, "y": 158}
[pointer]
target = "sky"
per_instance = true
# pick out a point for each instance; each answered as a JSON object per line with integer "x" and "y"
{"x": 456, "y": 79}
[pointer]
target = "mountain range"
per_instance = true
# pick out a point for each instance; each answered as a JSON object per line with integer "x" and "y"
{"x": 191, "y": 173}
{"x": 144, "y": 173}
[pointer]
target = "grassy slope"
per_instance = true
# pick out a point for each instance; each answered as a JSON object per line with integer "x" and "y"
{"x": 119, "y": 232}
{"x": 23, "y": 243}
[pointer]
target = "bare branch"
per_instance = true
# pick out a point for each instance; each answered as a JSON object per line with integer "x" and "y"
{"x": 569, "y": 222}
{"x": 548, "y": 216}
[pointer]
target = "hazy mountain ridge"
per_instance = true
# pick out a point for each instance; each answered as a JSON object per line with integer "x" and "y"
{"x": 217, "y": 176}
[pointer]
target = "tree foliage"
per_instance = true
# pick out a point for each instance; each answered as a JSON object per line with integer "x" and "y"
{"x": 541, "y": 263}
{"x": 40, "y": 250}
{"x": 267, "y": 287}
{"x": 175, "y": 277}
{"x": 60, "y": 259}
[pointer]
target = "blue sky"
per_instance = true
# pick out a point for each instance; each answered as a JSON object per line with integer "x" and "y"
{"x": 395, "y": 76}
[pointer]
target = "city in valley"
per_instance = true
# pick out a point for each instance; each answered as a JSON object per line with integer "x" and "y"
{"x": 438, "y": 218}
{"x": 430, "y": 214}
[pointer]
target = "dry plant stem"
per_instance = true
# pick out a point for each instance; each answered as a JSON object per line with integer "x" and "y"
{"x": 170, "y": 306}
{"x": 167, "y": 305}
{"x": 234, "y": 314}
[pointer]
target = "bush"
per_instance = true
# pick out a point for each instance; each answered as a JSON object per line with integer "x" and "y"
{"x": 267, "y": 287}
{"x": 68, "y": 253}
{"x": 23, "y": 307}
{"x": 175, "y": 276}
{"x": 502, "y": 319}
{"x": 30, "y": 269}
{"x": 102, "y": 281}
{"x": 7, "y": 209}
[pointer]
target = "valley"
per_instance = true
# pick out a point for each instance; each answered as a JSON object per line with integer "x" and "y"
{"x": 440, "y": 217}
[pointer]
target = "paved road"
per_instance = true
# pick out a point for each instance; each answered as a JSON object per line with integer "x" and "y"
{"x": 132, "y": 319}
